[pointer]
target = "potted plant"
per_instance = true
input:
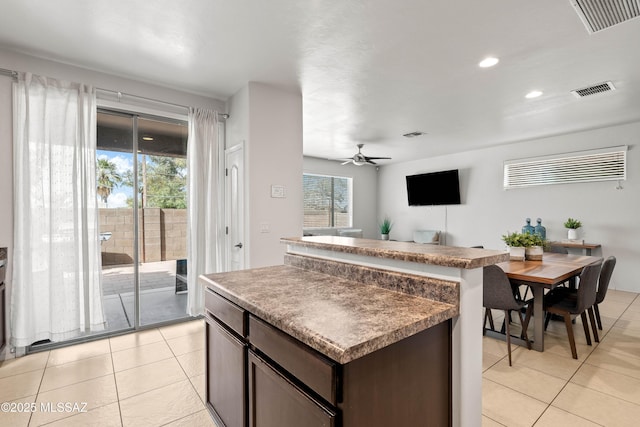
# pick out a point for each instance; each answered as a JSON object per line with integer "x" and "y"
{"x": 572, "y": 225}
{"x": 524, "y": 245}
{"x": 385, "y": 228}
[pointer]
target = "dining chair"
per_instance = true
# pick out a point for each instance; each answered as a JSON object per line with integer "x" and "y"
{"x": 564, "y": 303}
{"x": 603, "y": 285}
{"x": 498, "y": 295}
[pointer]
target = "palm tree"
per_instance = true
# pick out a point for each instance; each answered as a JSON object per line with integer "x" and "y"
{"x": 108, "y": 177}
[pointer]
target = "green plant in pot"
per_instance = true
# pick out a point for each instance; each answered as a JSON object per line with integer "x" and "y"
{"x": 523, "y": 245}
{"x": 572, "y": 225}
{"x": 385, "y": 228}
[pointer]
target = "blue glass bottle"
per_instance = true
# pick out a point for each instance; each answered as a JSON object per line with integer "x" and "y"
{"x": 528, "y": 228}
{"x": 540, "y": 229}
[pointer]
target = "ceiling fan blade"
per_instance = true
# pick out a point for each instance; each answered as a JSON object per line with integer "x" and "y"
{"x": 378, "y": 158}
{"x": 370, "y": 162}
{"x": 347, "y": 162}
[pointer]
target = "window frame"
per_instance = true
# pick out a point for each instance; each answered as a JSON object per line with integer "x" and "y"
{"x": 332, "y": 219}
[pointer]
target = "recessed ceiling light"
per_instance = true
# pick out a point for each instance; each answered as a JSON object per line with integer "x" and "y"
{"x": 488, "y": 62}
{"x": 533, "y": 94}
{"x": 147, "y": 138}
{"x": 413, "y": 134}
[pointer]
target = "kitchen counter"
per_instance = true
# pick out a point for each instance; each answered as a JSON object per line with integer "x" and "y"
{"x": 342, "y": 319}
{"x": 446, "y": 256}
{"x": 371, "y": 332}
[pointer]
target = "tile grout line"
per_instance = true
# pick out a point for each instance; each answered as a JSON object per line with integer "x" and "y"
{"x": 580, "y": 367}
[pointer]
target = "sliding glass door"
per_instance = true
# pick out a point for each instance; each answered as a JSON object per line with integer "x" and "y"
{"x": 141, "y": 179}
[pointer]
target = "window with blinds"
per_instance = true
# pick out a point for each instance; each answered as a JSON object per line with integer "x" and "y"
{"x": 327, "y": 201}
{"x": 608, "y": 164}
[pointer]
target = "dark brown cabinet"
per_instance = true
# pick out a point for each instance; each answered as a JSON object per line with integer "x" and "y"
{"x": 259, "y": 376}
{"x": 274, "y": 401}
{"x": 226, "y": 367}
{"x": 226, "y": 360}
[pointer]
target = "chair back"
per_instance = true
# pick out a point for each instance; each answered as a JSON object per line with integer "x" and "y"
{"x": 605, "y": 276}
{"x": 497, "y": 293}
{"x": 588, "y": 286}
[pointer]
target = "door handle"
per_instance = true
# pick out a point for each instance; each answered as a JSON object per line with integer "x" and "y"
{"x": 239, "y": 245}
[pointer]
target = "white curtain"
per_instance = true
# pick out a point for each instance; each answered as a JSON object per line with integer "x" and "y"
{"x": 203, "y": 205}
{"x": 56, "y": 292}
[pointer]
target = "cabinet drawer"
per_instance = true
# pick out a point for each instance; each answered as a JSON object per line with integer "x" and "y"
{"x": 310, "y": 367}
{"x": 276, "y": 402}
{"x": 226, "y": 311}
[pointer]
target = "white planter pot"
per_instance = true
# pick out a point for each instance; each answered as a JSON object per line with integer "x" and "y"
{"x": 572, "y": 233}
{"x": 534, "y": 253}
{"x": 384, "y": 236}
{"x": 516, "y": 253}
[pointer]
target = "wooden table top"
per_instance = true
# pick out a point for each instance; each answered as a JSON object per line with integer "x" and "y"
{"x": 553, "y": 269}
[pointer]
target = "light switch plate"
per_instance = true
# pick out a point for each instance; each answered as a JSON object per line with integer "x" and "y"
{"x": 277, "y": 191}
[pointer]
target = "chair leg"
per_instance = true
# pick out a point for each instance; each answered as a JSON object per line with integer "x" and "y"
{"x": 524, "y": 324}
{"x": 583, "y": 316}
{"x": 572, "y": 341}
{"x": 490, "y": 316}
{"x": 597, "y": 310}
{"x": 593, "y": 325}
{"x": 506, "y": 313}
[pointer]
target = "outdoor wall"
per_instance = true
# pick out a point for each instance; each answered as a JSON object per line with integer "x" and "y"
{"x": 609, "y": 215}
{"x": 163, "y": 235}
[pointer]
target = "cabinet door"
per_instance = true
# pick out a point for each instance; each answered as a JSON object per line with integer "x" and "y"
{"x": 226, "y": 379}
{"x": 276, "y": 402}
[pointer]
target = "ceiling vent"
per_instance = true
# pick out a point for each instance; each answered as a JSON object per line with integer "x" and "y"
{"x": 593, "y": 90}
{"x": 597, "y": 15}
{"x": 608, "y": 164}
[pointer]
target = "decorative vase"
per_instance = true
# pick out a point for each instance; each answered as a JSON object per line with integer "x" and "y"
{"x": 516, "y": 253}
{"x": 384, "y": 236}
{"x": 528, "y": 228}
{"x": 540, "y": 229}
{"x": 534, "y": 253}
{"x": 572, "y": 233}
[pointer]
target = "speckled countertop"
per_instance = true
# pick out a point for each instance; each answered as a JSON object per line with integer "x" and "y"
{"x": 342, "y": 319}
{"x": 448, "y": 256}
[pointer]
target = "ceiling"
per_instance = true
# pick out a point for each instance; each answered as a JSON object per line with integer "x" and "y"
{"x": 369, "y": 71}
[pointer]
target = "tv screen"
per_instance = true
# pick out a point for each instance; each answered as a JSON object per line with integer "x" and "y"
{"x": 436, "y": 188}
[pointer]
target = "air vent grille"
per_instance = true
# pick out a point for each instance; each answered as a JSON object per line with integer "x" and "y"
{"x": 586, "y": 166}
{"x": 596, "y": 15}
{"x": 593, "y": 90}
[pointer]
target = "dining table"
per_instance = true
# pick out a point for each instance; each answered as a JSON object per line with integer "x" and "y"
{"x": 548, "y": 273}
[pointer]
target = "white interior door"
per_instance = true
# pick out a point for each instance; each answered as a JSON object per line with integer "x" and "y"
{"x": 234, "y": 201}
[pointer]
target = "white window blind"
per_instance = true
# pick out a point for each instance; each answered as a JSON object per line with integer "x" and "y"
{"x": 327, "y": 201}
{"x": 608, "y": 164}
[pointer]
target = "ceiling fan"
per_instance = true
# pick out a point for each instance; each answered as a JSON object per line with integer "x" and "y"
{"x": 360, "y": 159}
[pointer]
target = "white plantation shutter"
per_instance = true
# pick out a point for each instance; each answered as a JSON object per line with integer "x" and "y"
{"x": 607, "y": 164}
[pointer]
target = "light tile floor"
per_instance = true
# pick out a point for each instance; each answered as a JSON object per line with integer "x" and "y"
{"x": 149, "y": 378}
{"x": 156, "y": 378}
{"x": 550, "y": 388}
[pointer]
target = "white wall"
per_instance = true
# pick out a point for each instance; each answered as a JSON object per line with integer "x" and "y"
{"x": 273, "y": 157}
{"x": 609, "y": 216}
{"x": 365, "y": 190}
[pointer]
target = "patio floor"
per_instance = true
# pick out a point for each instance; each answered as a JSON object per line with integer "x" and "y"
{"x": 158, "y": 299}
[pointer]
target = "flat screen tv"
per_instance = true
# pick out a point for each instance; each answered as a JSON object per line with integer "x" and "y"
{"x": 436, "y": 188}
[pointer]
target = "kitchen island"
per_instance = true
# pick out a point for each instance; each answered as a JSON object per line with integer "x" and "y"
{"x": 348, "y": 332}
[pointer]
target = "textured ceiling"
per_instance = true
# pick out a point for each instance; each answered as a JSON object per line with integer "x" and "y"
{"x": 368, "y": 71}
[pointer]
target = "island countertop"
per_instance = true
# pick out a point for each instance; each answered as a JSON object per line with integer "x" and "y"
{"x": 447, "y": 256}
{"x": 342, "y": 319}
